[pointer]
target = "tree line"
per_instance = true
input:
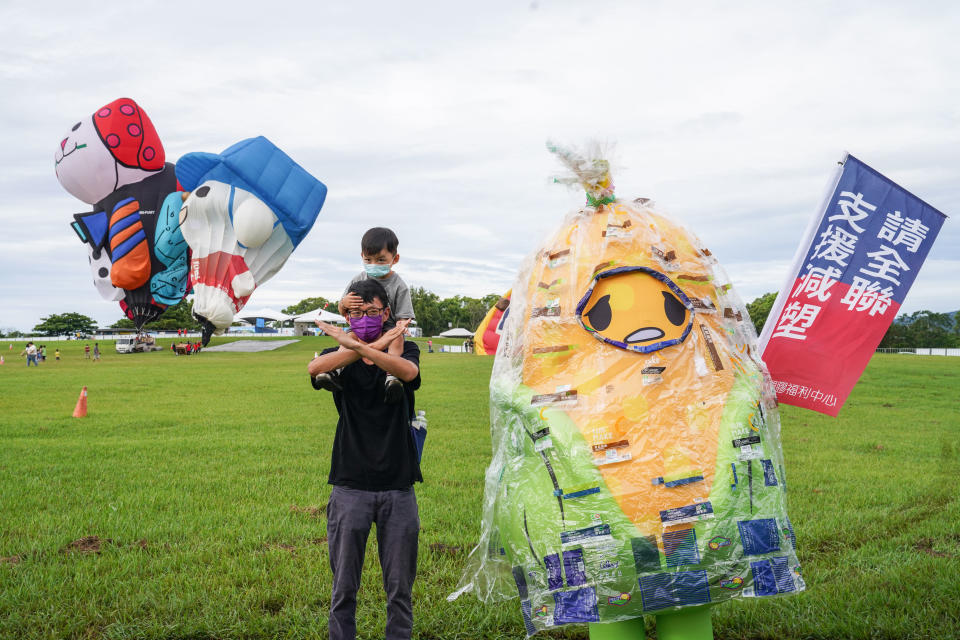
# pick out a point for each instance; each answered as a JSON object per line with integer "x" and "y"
{"x": 436, "y": 314}
{"x": 908, "y": 331}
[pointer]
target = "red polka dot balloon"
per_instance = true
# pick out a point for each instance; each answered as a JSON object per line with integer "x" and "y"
{"x": 129, "y": 135}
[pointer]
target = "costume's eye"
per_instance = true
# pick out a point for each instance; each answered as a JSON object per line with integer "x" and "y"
{"x": 76, "y": 126}
{"x": 635, "y": 308}
{"x": 202, "y": 192}
{"x": 601, "y": 314}
{"x": 674, "y": 309}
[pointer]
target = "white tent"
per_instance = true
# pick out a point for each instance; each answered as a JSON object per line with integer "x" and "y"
{"x": 319, "y": 314}
{"x": 457, "y": 333}
{"x": 266, "y": 314}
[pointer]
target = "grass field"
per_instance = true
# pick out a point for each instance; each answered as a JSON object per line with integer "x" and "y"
{"x": 189, "y": 503}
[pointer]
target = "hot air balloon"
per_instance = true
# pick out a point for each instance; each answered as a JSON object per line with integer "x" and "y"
{"x": 114, "y": 160}
{"x": 637, "y": 463}
{"x": 248, "y": 209}
{"x": 487, "y": 336}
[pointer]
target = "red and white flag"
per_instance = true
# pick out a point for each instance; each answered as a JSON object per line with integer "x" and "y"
{"x": 856, "y": 263}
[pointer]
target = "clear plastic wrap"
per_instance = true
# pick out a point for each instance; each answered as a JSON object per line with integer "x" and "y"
{"x": 637, "y": 465}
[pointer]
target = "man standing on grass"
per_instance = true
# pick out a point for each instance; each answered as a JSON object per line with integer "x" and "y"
{"x": 373, "y": 464}
{"x": 31, "y": 352}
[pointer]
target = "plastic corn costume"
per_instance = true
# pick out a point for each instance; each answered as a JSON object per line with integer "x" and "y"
{"x": 637, "y": 466}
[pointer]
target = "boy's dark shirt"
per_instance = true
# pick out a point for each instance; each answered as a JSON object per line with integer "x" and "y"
{"x": 373, "y": 449}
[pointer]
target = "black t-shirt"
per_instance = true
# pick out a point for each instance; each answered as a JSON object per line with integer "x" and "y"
{"x": 373, "y": 449}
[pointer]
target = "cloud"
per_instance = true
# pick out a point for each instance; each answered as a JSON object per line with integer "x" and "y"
{"x": 431, "y": 119}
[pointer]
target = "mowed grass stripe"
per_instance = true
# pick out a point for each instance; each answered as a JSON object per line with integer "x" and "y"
{"x": 189, "y": 503}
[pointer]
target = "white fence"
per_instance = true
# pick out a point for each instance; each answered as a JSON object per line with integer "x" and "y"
{"x": 923, "y": 351}
{"x": 453, "y": 348}
{"x": 156, "y": 334}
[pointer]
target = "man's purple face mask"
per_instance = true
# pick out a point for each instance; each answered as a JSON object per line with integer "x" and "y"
{"x": 366, "y": 328}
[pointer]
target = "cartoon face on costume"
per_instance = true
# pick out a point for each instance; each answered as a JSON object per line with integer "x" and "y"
{"x": 237, "y": 244}
{"x": 636, "y": 307}
{"x": 117, "y": 145}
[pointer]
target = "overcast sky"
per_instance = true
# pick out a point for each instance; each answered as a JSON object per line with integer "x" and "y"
{"x": 431, "y": 118}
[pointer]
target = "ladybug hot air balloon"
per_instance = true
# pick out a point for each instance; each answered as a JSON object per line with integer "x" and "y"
{"x": 637, "y": 465}
{"x": 114, "y": 160}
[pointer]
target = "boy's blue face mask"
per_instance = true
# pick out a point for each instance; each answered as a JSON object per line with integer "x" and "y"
{"x": 377, "y": 270}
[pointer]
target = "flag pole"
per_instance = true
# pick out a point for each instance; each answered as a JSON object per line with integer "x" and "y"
{"x": 799, "y": 255}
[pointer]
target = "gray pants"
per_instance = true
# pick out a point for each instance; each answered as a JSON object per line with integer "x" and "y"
{"x": 350, "y": 513}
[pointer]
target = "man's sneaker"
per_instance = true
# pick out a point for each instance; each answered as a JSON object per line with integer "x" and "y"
{"x": 392, "y": 390}
{"x": 326, "y": 381}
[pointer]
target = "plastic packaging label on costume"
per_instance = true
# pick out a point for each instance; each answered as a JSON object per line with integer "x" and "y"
{"x": 543, "y": 443}
{"x": 689, "y": 513}
{"x": 663, "y": 483}
{"x": 652, "y": 375}
{"x": 611, "y": 452}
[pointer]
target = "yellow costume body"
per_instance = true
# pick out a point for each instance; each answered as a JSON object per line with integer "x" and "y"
{"x": 636, "y": 463}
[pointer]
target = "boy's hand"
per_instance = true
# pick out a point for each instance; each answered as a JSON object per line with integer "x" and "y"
{"x": 351, "y": 301}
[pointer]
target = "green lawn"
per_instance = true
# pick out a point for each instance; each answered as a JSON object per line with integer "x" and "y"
{"x": 203, "y": 480}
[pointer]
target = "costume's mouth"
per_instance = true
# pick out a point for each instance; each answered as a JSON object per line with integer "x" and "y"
{"x": 67, "y": 153}
{"x": 645, "y": 334}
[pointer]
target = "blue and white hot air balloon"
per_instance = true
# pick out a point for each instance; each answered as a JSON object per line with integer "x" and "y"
{"x": 248, "y": 209}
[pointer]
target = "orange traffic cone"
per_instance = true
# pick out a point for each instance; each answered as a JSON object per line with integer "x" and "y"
{"x": 81, "y": 409}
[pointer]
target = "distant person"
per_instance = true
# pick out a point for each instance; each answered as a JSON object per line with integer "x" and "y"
{"x": 86, "y": 351}
{"x": 43, "y": 353}
{"x": 173, "y": 347}
{"x": 56, "y": 354}
{"x": 31, "y": 352}
{"x": 373, "y": 464}
{"x": 96, "y": 351}
{"x": 429, "y": 346}
{"x": 378, "y": 251}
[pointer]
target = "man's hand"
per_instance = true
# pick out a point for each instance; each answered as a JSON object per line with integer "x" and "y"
{"x": 346, "y": 340}
{"x": 402, "y": 324}
{"x": 386, "y": 338}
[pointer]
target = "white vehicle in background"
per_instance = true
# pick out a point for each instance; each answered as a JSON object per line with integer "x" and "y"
{"x": 136, "y": 344}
